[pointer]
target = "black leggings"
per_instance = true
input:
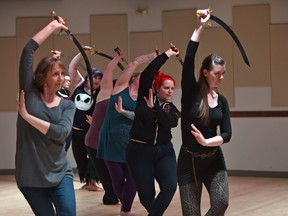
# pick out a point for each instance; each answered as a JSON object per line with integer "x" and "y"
{"x": 217, "y": 187}
{"x": 85, "y": 168}
{"x": 104, "y": 177}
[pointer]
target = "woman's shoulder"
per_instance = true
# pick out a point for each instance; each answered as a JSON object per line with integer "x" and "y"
{"x": 222, "y": 98}
{"x": 65, "y": 103}
{"x": 120, "y": 92}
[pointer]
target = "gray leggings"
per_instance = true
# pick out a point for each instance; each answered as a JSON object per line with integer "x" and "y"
{"x": 217, "y": 187}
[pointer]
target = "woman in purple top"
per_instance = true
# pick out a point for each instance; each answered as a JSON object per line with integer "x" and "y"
{"x": 91, "y": 138}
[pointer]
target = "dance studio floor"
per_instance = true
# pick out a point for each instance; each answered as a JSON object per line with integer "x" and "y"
{"x": 249, "y": 196}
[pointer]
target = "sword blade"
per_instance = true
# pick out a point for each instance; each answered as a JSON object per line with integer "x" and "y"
{"x": 233, "y": 35}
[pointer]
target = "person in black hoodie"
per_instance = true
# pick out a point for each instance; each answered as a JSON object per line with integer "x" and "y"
{"x": 150, "y": 154}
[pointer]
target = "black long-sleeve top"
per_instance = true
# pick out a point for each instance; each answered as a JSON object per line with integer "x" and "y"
{"x": 153, "y": 126}
{"x": 190, "y": 101}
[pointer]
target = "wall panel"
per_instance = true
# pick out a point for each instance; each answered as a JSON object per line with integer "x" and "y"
{"x": 142, "y": 43}
{"x": 177, "y": 27}
{"x": 108, "y": 32}
{"x": 26, "y": 28}
{"x": 69, "y": 49}
{"x": 251, "y": 24}
{"x": 9, "y": 74}
{"x": 279, "y": 73}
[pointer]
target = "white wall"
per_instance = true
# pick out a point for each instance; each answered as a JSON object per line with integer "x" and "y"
{"x": 258, "y": 144}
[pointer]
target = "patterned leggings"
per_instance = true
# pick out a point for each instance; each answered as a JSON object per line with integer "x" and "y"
{"x": 217, "y": 187}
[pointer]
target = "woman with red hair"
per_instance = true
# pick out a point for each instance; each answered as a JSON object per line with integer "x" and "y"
{"x": 150, "y": 154}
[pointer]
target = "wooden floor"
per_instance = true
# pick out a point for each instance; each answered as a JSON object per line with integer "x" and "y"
{"x": 249, "y": 196}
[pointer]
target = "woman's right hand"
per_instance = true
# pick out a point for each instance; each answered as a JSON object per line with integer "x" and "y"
{"x": 59, "y": 23}
{"x": 203, "y": 16}
{"x": 172, "y": 51}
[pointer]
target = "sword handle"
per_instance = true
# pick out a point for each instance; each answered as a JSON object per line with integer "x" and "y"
{"x": 56, "y": 17}
{"x": 202, "y": 13}
{"x": 118, "y": 50}
{"x": 157, "y": 51}
{"x": 174, "y": 48}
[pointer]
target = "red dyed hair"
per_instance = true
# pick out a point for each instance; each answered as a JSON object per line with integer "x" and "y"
{"x": 159, "y": 78}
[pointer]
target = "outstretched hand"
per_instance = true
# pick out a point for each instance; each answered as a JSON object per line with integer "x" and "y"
{"x": 20, "y": 102}
{"x": 149, "y": 100}
{"x": 118, "y": 105}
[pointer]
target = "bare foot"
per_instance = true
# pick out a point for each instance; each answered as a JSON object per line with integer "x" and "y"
{"x": 94, "y": 188}
{"x": 122, "y": 213}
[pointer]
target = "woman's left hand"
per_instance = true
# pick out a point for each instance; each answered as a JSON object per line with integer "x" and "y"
{"x": 198, "y": 135}
{"x": 89, "y": 119}
{"x": 119, "y": 106}
{"x": 149, "y": 100}
{"x": 21, "y": 105}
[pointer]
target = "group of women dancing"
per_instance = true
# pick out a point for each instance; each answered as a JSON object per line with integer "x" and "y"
{"x": 122, "y": 129}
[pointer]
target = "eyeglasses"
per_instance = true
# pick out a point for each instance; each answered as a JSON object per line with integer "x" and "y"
{"x": 67, "y": 80}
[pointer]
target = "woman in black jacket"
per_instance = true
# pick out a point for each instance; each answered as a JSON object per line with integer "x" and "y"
{"x": 150, "y": 154}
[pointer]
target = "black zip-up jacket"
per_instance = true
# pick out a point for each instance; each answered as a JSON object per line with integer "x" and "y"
{"x": 153, "y": 126}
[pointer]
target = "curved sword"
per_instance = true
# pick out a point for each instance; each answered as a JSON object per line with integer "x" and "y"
{"x": 228, "y": 29}
{"x": 109, "y": 57}
{"x": 80, "y": 48}
{"x": 233, "y": 35}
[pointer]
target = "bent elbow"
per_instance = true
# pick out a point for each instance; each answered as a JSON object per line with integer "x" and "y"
{"x": 226, "y": 137}
{"x": 229, "y": 135}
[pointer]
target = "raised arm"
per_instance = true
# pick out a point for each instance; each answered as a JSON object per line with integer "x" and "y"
{"x": 26, "y": 69}
{"x": 201, "y": 21}
{"x": 149, "y": 72}
{"x": 188, "y": 81}
{"x": 26, "y": 73}
{"x": 107, "y": 79}
{"x": 123, "y": 80}
{"x": 42, "y": 35}
{"x": 74, "y": 73}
